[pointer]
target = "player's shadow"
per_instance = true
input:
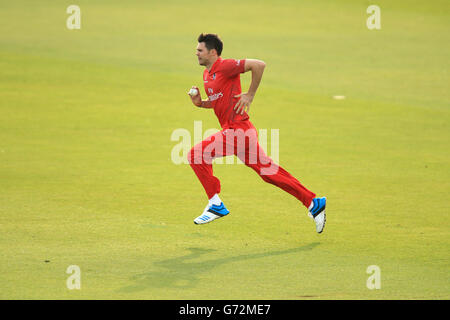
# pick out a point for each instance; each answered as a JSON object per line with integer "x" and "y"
{"x": 181, "y": 272}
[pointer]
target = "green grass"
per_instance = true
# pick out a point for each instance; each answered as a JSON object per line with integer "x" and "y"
{"x": 86, "y": 177}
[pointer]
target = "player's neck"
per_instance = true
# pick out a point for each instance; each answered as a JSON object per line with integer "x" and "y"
{"x": 209, "y": 65}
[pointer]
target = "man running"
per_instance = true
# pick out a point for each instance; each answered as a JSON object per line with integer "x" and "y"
{"x": 238, "y": 136}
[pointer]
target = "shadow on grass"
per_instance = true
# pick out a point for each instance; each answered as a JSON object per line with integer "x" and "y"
{"x": 180, "y": 272}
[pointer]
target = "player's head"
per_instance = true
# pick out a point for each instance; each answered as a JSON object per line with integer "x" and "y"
{"x": 209, "y": 48}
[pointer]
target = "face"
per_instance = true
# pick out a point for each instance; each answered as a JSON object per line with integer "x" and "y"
{"x": 204, "y": 55}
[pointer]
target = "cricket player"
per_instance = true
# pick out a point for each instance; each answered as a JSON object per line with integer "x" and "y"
{"x": 221, "y": 79}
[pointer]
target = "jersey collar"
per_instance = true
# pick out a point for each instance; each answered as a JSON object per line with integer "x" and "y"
{"x": 215, "y": 65}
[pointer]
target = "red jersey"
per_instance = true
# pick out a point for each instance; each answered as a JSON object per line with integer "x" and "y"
{"x": 222, "y": 83}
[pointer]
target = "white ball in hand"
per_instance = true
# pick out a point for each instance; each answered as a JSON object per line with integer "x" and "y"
{"x": 193, "y": 92}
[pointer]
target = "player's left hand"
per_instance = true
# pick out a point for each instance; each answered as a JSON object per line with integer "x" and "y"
{"x": 244, "y": 102}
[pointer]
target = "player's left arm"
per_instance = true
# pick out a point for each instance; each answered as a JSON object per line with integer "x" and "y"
{"x": 257, "y": 69}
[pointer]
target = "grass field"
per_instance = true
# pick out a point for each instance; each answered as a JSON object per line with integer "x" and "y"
{"x": 86, "y": 176}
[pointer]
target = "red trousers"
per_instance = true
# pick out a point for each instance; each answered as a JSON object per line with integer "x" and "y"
{"x": 242, "y": 140}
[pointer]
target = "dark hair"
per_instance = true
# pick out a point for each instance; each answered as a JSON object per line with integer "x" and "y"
{"x": 212, "y": 41}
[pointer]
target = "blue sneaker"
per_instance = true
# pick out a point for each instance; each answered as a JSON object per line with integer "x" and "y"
{"x": 212, "y": 212}
{"x": 317, "y": 213}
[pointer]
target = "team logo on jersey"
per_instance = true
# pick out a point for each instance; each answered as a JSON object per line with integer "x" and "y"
{"x": 215, "y": 96}
{"x": 210, "y": 90}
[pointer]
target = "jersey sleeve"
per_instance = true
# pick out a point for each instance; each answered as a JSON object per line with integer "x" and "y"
{"x": 231, "y": 67}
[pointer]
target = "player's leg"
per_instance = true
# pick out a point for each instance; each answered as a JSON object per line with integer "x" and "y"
{"x": 317, "y": 212}
{"x": 274, "y": 174}
{"x": 255, "y": 158}
{"x": 203, "y": 169}
{"x": 200, "y": 158}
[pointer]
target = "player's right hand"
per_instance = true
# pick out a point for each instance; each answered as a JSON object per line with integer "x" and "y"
{"x": 197, "y": 99}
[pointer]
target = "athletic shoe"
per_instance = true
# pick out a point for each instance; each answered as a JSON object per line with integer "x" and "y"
{"x": 212, "y": 212}
{"x": 317, "y": 213}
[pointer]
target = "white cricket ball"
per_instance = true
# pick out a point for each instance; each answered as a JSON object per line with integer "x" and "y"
{"x": 193, "y": 92}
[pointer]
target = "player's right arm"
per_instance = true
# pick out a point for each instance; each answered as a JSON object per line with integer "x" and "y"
{"x": 197, "y": 100}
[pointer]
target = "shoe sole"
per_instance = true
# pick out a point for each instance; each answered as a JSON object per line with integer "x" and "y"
{"x": 324, "y": 217}
{"x": 211, "y": 220}
{"x": 324, "y": 221}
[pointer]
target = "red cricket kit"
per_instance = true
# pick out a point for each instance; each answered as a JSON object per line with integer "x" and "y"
{"x": 238, "y": 136}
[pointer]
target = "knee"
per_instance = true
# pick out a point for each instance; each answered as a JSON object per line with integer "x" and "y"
{"x": 265, "y": 171}
{"x": 195, "y": 155}
{"x": 191, "y": 156}
{"x": 269, "y": 170}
